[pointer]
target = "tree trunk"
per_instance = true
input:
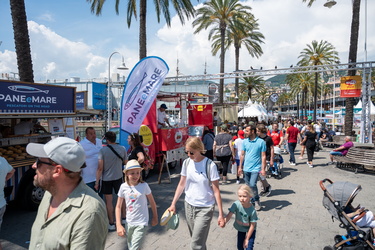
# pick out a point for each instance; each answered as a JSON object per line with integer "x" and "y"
{"x": 22, "y": 40}
{"x": 352, "y": 58}
{"x": 142, "y": 29}
{"x": 236, "y": 80}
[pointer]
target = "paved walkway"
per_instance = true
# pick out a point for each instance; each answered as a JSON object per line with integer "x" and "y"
{"x": 292, "y": 217}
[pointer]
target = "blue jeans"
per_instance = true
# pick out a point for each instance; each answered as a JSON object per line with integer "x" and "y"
{"x": 292, "y": 147}
{"x": 240, "y": 239}
{"x": 251, "y": 179}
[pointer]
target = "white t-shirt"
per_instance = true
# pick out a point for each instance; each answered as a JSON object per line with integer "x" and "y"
{"x": 92, "y": 153}
{"x": 198, "y": 192}
{"x": 5, "y": 168}
{"x": 317, "y": 128}
{"x": 136, "y": 203}
{"x": 161, "y": 118}
{"x": 238, "y": 147}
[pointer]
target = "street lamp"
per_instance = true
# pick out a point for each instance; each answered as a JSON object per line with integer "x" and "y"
{"x": 109, "y": 88}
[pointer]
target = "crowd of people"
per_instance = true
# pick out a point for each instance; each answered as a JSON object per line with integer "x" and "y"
{"x": 80, "y": 178}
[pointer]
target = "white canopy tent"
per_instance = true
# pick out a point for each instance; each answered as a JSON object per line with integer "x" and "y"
{"x": 253, "y": 110}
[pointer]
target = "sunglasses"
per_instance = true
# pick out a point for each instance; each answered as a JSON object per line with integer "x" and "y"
{"x": 189, "y": 152}
{"x": 39, "y": 163}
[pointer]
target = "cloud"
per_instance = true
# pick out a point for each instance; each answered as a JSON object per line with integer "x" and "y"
{"x": 288, "y": 26}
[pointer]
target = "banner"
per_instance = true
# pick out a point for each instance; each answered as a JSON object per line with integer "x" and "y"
{"x": 33, "y": 98}
{"x": 142, "y": 87}
{"x": 350, "y": 86}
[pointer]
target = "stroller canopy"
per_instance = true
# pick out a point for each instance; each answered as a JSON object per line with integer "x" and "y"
{"x": 341, "y": 192}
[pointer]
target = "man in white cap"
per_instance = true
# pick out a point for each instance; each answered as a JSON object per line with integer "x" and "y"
{"x": 162, "y": 116}
{"x": 71, "y": 215}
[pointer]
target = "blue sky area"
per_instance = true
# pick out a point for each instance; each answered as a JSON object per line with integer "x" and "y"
{"x": 67, "y": 40}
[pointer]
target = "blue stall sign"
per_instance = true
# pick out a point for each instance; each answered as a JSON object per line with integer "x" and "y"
{"x": 32, "y": 98}
{"x": 80, "y": 100}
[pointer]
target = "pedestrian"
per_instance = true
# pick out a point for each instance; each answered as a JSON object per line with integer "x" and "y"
{"x": 223, "y": 150}
{"x": 200, "y": 181}
{"x": 292, "y": 135}
{"x": 208, "y": 142}
{"x": 71, "y": 215}
{"x": 6, "y": 172}
{"x": 310, "y": 142}
{"x": 237, "y": 147}
{"x": 217, "y": 119}
{"x": 245, "y": 218}
{"x": 135, "y": 193}
{"x": 262, "y": 133}
{"x": 276, "y": 135}
{"x": 137, "y": 152}
{"x": 111, "y": 159}
{"x": 302, "y": 134}
{"x": 92, "y": 146}
{"x": 285, "y": 143}
{"x": 253, "y": 160}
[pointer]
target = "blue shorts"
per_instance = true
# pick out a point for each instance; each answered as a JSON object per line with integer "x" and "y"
{"x": 335, "y": 153}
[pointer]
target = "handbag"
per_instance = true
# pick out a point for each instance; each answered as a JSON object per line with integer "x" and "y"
{"x": 234, "y": 167}
{"x": 148, "y": 163}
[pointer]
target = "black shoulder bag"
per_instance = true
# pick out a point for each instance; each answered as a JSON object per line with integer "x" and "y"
{"x": 114, "y": 151}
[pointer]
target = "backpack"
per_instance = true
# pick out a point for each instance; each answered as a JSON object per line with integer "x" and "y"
{"x": 208, "y": 169}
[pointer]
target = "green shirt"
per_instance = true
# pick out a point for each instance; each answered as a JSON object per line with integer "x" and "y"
{"x": 243, "y": 216}
{"x": 80, "y": 222}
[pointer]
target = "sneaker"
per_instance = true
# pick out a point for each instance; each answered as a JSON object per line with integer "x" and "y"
{"x": 268, "y": 191}
{"x": 330, "y": 163}
{"x": 111, "y": 227}
{"x": 257, "y": 206}
{"x": 292, "y": 164}
{"x": 228, "y": 182}
{"x": 238, "y": 182}
{"x": 311, "y": 166}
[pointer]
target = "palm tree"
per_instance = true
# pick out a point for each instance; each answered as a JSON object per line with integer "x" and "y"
{"x": 322, "y": 53}
{"x": 252, "y": 83}
{"x": 301, "y": 83}
{"x": 22, "y": 40}
{"x": 218, "y": 13}
{"x": 183, "y": 8}
{"x": 353, "y": 47}
{"x": 242, "y": 30}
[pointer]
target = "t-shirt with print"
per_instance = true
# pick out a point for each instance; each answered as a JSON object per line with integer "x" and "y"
{"x": 136, "y": 203}
{"x": 276, "y": 136}
{"x": 243, "y": 216}
{"x": 198, "y": 192}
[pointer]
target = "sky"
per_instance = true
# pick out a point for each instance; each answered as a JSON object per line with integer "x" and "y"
{"x": 67, "y": 40}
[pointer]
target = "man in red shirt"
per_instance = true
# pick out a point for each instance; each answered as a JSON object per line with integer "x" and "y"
{"x": 276, "y": 135}
{"x": 292, "y": 135}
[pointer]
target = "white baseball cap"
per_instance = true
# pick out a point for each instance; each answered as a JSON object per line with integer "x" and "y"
{"x": 62, "y": 150}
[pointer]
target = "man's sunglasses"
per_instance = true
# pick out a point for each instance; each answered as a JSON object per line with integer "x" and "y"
{"x": 189, "y": 152}
{"x": 39, "y": 163}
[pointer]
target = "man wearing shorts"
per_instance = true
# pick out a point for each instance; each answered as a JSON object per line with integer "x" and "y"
{"x": 342, "y": 150}
{"x": 111, "y": 160}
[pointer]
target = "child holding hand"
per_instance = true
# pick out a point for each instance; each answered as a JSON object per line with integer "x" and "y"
{"x": 245, "y": 218}
{"x": 135, "y": 193}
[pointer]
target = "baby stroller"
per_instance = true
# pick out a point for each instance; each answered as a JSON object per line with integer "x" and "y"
{"x": 338, "y": 198}
{"x": 275, "y": 170}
